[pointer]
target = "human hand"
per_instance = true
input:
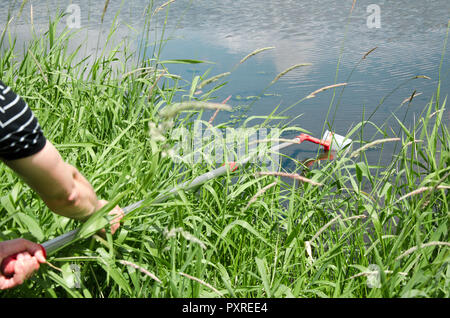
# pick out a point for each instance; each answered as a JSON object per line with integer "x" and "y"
{"x": 19, "y": 258}
{"x": 117, "y": 212}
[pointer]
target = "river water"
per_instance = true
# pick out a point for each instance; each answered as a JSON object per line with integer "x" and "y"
{"x": 408, "y": 37}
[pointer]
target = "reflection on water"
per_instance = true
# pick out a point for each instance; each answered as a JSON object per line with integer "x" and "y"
{"x": 409, "y": 42}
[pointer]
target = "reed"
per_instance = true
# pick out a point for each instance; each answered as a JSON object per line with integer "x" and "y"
{"x": 217, "y": 110}
{"x": 295, "y": 176}
{"x": 369, "y": 52}
{"x": 289, "y": 69}
{"x": 423, "y": 189}
{"x": 202, "y": 282}
{"x": 372, "y": 144}
{"x": 313, "y": 94}
{"x": 141, "y": 269}
{"x": 212, "y": 80}
{"x": 415, "y": 248}
{"x": 255, "y": 52}
{"x": 174, "y": 109}
{"x": 161, "y": 7}
{"x": 105, "y": 8}
{"x": 409, "y": 99}
{"x": 259, "y": 193}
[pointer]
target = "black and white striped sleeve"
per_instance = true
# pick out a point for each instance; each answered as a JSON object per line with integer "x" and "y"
{"x": 20, "y": 133}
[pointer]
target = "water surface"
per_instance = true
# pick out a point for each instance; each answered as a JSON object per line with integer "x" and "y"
{"x": 409, "y": 42}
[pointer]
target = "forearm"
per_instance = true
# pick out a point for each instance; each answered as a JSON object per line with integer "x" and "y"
{"x": 79, "y": 203}
{"x": 60, "y": 185}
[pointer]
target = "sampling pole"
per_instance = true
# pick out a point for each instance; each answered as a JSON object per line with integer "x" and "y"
{"x": 329, "y": 141}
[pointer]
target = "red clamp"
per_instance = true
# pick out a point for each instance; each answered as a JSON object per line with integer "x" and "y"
{"x": 233, "y": 166}
{"x": 325, "y": 143}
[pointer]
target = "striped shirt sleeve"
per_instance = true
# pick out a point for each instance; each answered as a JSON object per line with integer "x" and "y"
{"x": 20, "y": 133}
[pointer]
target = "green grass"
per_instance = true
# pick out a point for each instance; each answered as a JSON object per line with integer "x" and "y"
{"x": 295, "y": 240}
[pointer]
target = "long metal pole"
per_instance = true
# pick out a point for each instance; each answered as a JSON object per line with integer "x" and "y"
{"x": 63, "y": 240}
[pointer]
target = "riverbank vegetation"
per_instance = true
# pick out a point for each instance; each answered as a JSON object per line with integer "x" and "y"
{"x": 359, "y": 230}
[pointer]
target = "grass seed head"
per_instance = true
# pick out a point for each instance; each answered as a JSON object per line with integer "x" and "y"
{"x": 173, "y": 110}
{"x": 288, "y": 70}
{"x": 212, "y": 79}
{"x": 289, "y": 175}
{"x": 256, "y": 52}
{"x": 313, "y": 94}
